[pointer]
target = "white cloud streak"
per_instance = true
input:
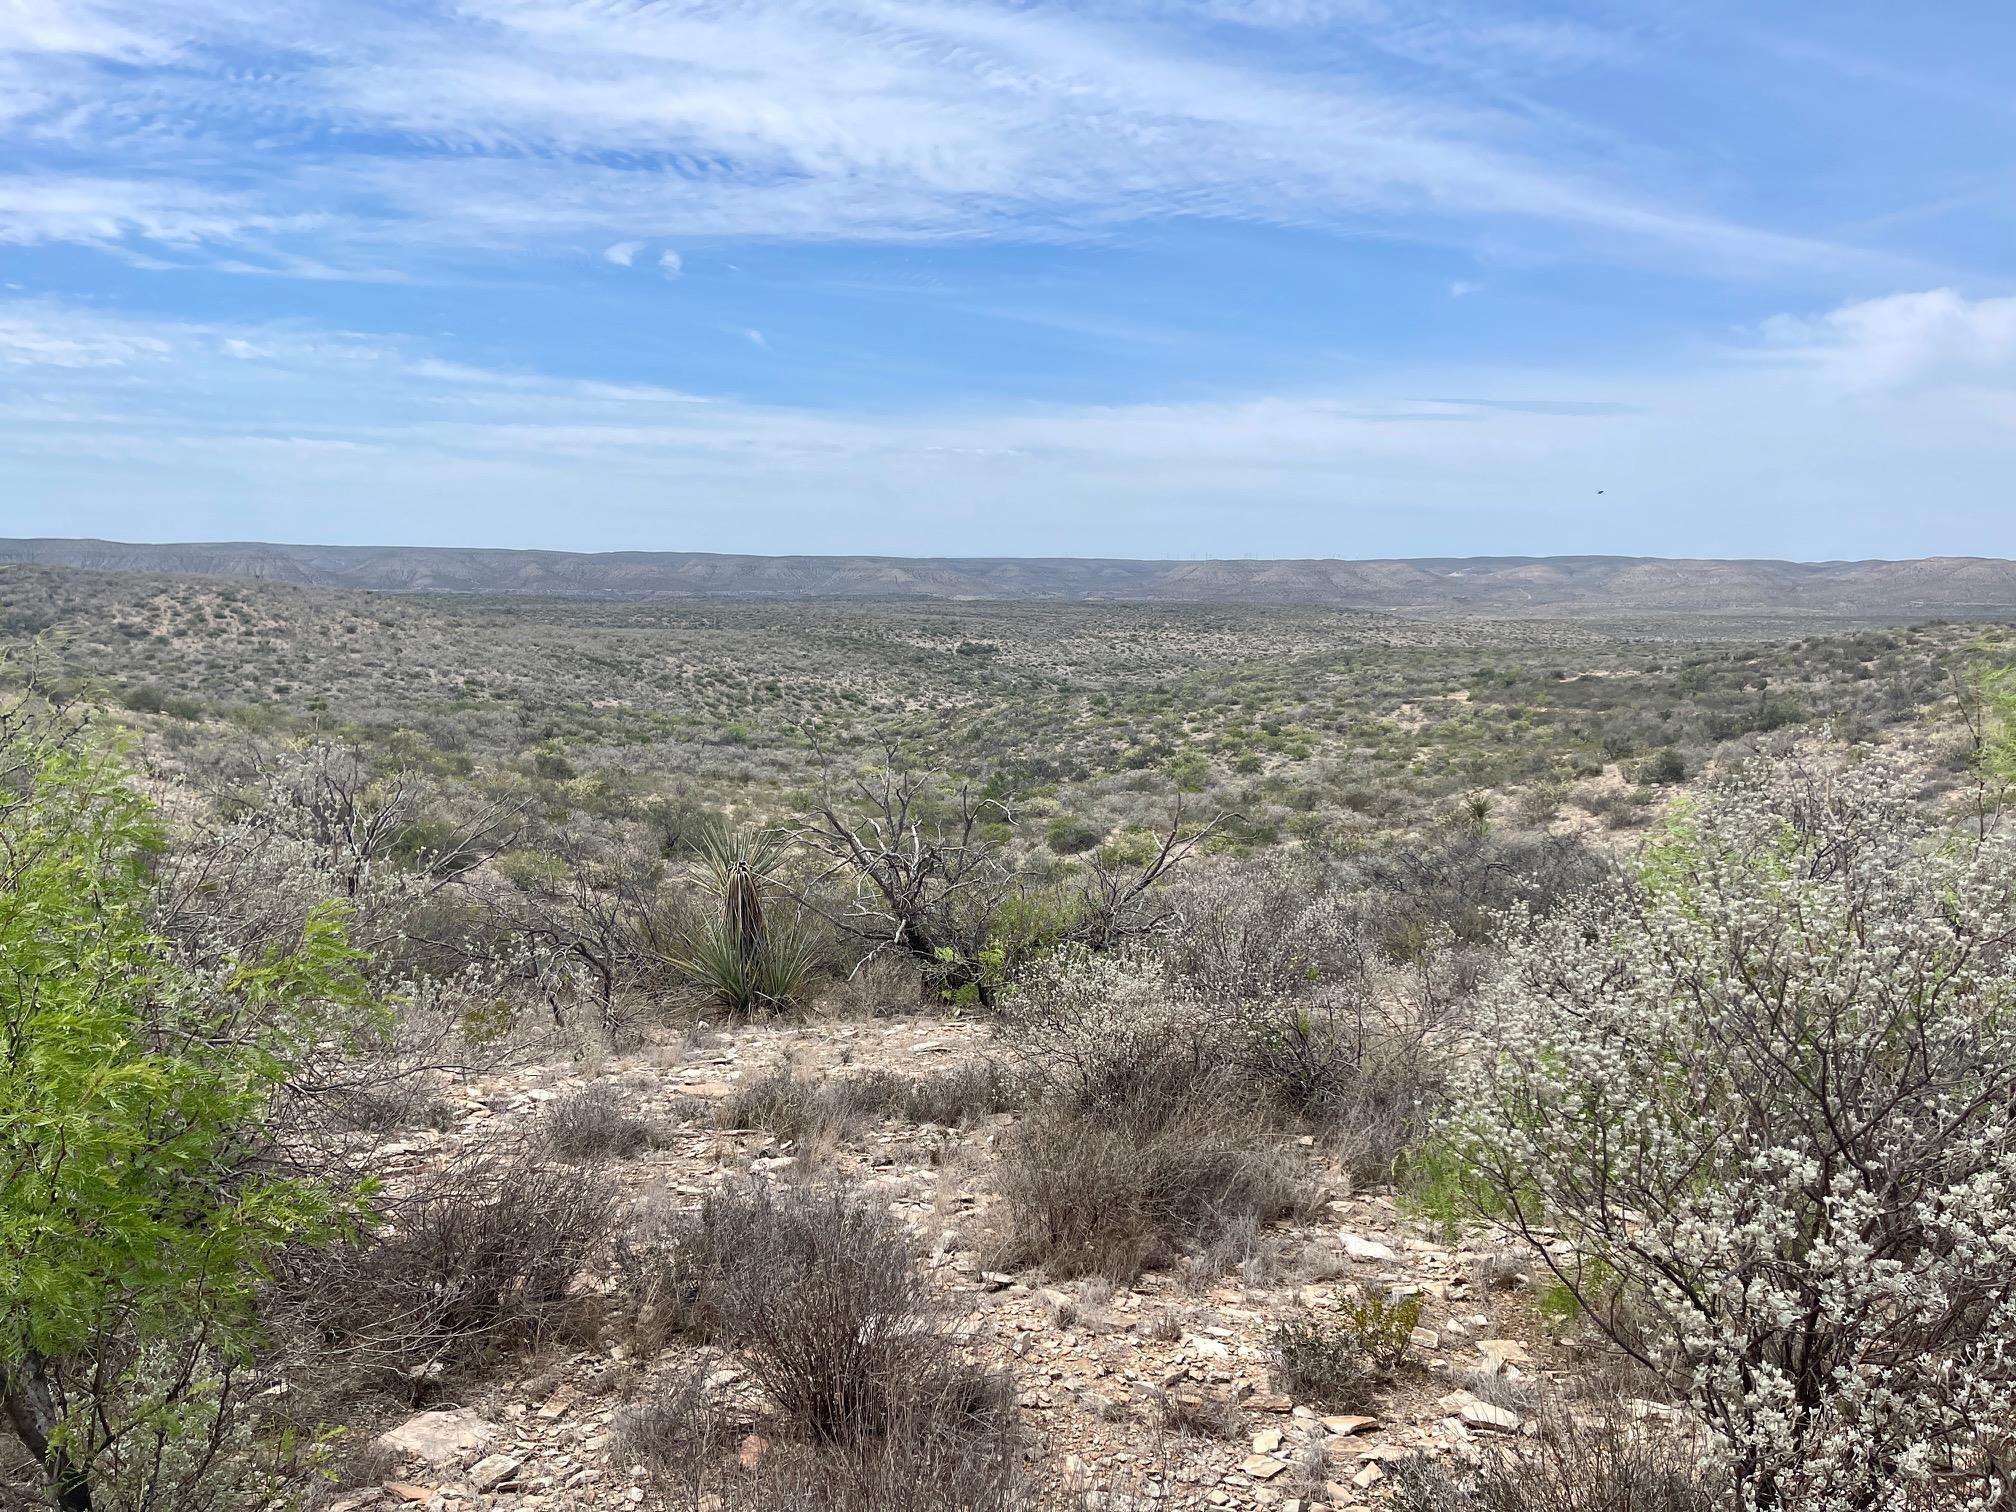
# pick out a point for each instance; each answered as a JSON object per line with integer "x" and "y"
{"x": 517, "y": 121}
{"x": 1833, "y": 418}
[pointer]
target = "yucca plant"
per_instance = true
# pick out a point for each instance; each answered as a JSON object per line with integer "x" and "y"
{"x": 744, "y": 974}
{"x": 743, "y": 958}
{"x": 737, "y": 864}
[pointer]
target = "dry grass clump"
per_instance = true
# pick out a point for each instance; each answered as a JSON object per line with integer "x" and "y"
{"x": 1584, "y": 1457}
{"x": 705, "y": 1455}
{"x": 1141, "y": 1140}
{"x": 818, "y": 1113}
{"x": 817, "y": 1291}
{"x": 1196, "y": 1414}
{"x": 478, "y": 1258}
{"x": 588, "y": 1125}
{"x": 1088, "y": 1198}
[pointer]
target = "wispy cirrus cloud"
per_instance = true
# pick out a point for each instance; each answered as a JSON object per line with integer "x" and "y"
{"x": 368, "y": 124}
{"x": 79, "y": 207}
{"x": 1069, "y": 264}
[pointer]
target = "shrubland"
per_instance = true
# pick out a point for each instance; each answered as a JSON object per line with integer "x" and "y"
{"x": 1660, "y": 974}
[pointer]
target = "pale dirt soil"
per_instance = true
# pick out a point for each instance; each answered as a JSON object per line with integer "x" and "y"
{"x": 1091, "y": 1363}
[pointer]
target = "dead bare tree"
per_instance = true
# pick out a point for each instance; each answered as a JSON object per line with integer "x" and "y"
{"x": 1120, "y": 903}
{"x": 925, "y": 879}
{"x": 605, "y": 907}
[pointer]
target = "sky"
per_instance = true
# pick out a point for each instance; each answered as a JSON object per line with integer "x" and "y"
{"x": 1150, "y": 278}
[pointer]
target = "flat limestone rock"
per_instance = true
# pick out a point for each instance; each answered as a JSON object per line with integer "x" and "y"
{"x": 446, "y": 1437}
{"x": 1484, "y": 1415}
{"x": 1503, "y": 1352}
{"x": 490, "y": 1473}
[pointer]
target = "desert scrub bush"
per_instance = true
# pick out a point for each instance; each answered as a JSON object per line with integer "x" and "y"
{"x": 1341, "y": 1359}
{"x": 1071, "y": 834}
{"x": 1768, "y": 1087}
{"x": 816, "y": 1114}
{"x": 1141, "y": 1136}
{"x": 479, "y": 1257}
{"x": 1584, "y": 1457}
{"x": 1353, "y": 1048}
{"x": 817, "y": 1289}
{"x": 1368, "y": 1074}
{"x": 703, "y": 1456}
{"x": 1266, "y": 929}
{"x": 588, "y": 1125}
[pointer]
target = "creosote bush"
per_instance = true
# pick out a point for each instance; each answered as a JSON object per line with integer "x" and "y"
{"x": 1341, "y": 1360}
{"x": 1767, "y": 1089}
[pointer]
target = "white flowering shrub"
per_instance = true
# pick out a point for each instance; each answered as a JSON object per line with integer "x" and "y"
{"x": 1765, "y": 1091}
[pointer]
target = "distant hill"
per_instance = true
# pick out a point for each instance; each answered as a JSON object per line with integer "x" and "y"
{"x": 1928, "y": 586}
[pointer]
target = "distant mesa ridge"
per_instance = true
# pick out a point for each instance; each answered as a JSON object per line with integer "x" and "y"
{"x": 1488, "y": 585}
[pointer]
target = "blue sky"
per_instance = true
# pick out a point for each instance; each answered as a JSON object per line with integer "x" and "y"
{"x": 1114, "y": 277}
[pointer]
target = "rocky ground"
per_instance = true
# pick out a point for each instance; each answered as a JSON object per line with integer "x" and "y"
{"x": 1155, "y": 1396}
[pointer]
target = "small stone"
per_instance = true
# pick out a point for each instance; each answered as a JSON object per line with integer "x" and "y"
{"x": 1344, "y": 1427}
{"x": 1484, "y": 1415}
{"x": 1424, "y": 1338}
{"x": 490, "y": 1473}
{"x": 406, "y": 1491}
{"x": 1267, "y": 1401}
{"x": 555, "y": 1406}
{"x": 1366, "y": 1249}
{"x": 1262, "y": 1467}
{"x": 1503, "y": 1352}
{"x": 1267, "y": 1440}
{"x": 1371, "y": 1475}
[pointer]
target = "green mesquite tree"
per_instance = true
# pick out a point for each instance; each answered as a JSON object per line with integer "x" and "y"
{"x": 137, "y": 1204}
